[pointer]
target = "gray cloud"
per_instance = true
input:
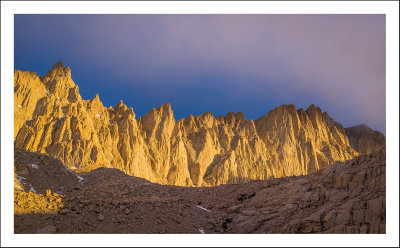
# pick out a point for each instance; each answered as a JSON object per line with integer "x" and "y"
{"x": 335, "y": 61}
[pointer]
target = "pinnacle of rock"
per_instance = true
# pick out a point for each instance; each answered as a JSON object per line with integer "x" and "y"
{"x": 52, "y": 118}
{"x": 96, "y": 97}
{"x": 59, "y": 70}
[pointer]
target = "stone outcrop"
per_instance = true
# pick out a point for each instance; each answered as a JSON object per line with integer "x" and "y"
{"x": 52, "y": 118}
{"x": 346, "y": 197}
{"x": 365, "y": 140}
{"x": 29, "y": 202}
{"x": 37, "y": 173}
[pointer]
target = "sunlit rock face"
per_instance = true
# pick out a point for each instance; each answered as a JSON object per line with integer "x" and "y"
{"x": 28, "y": 90}
{"x": 52, "y": 118}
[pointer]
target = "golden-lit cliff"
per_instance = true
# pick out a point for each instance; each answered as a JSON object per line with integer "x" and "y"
{"x": 52, "y": 118}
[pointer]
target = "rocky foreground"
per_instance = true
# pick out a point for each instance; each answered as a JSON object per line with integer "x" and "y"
{"x": 346, "y": 197}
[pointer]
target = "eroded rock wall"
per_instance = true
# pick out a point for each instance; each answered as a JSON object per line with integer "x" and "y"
{"x": 52, "y": 118}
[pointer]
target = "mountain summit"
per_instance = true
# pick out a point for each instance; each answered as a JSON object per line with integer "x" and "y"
{"x": 52, "y": 118}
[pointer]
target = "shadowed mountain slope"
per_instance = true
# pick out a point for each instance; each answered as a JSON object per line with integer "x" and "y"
{"x": 365, "y": 140}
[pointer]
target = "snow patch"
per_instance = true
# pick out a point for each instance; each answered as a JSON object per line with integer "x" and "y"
{"x": 68, "y": 169}
{"x": 19, "y": 106}
{"x": 32, "y": 190}
{"x": 34, "y": 166}
{"x": 202, "y": 208}
{"x": 74, "y": 168}
{"x": 201, "y": 231}
{"x": 79, "y": 178}
{"x": 19, "y": 178}
{"x": 47, "y": 92}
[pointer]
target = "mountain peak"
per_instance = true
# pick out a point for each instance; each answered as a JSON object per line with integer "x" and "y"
{"x": 165, "y": 108}
{"x": 364, "y": 139}
{"x": 120, "y": 106}
{"x": 59, "y": 70}
{"x": 313, "y": 108}
{"x": 58, "y": 81}
{"x": 362, "y": 127}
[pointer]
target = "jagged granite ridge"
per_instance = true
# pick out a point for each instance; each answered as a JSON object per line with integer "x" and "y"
{"x": 52, "y": 118}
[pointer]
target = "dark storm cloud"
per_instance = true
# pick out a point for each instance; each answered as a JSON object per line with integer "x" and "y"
{"x": 219, "y": 63}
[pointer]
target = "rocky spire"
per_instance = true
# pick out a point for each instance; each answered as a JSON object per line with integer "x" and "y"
{"x": 58, "y": 81}
{"x": 59, "y": 70}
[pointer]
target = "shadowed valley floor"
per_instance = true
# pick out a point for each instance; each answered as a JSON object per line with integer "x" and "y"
{"x": 346, "y": 197}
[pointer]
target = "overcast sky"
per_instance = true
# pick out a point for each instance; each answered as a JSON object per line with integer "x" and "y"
{"x": 217, "y": 63}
